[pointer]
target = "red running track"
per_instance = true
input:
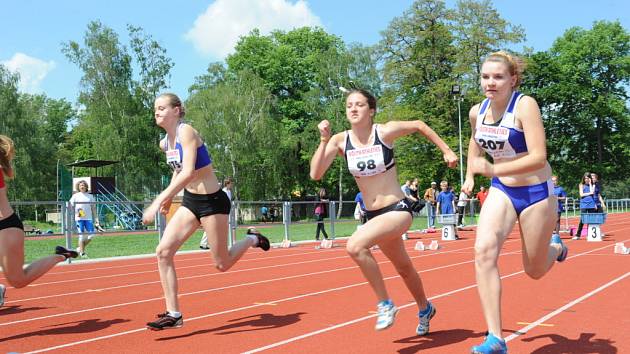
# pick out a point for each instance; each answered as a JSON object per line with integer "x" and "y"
{"x": 316, "y": 301}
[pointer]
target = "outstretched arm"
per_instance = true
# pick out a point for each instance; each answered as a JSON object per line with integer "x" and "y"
{"x": 395, "y": 129}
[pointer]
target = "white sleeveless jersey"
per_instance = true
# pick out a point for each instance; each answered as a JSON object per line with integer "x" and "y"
{"x": 501, "y": 139}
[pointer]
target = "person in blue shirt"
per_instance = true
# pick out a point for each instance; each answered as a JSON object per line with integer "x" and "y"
{"x": 587, "y": 200}
{"x": 599, "y": 201}
{"x": 445, "y": 200}
{"x": 359, "y": 200}
{"x": 562, "y": 197}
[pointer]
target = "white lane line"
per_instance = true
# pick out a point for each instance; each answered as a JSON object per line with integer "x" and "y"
{"x": 305, "y": 295}
{"x": 541, "y": 320}
{"x": 218, "y": 289}
{"x": 200, "y": 276}
{"x": 323, "y": 330}
{"x": 275, "y": 302}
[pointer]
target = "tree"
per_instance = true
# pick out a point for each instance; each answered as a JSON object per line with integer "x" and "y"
{"x": 233, "y": 116}
{"x": 299, "y": 68}
{"x": 115, "y": 123}
{"x": 479, "y": 30}
{"x": 581, "y": 85}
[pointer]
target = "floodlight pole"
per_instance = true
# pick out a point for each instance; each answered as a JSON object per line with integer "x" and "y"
{"x": 456, "y": 92}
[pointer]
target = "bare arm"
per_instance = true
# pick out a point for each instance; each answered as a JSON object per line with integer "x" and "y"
{"x": 474, "y": 152}
{"x": 395, "y": 129}
{"x": 326, "y": 152}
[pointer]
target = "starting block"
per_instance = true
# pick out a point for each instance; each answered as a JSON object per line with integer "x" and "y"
{"x": 419, "y": 246}
{"x": 434, "y": 245}
{"x": 593, "y": 220}
{"x": 620, "y": 248}
{"x": 285, "y": 244}
{"x": 448, "y": 222}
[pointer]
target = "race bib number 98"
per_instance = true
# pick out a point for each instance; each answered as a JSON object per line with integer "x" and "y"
{"x": 366, "y": 161}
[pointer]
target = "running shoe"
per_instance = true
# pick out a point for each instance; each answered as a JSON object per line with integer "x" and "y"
{"x": 165, "y": 321}
{"x": 3, "y": 290}
{"x": 424, "y": 317}
{"x": 555, "y": 239}
{"x": 491, "y": 345}
{"x": 386, "y": 315}
{"x": 66, "y": 252}
{"x": 263, "y": 242}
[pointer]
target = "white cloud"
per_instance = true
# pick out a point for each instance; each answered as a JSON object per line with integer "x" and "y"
{"x": 32, "y": 71}
{"x": 217, "y": 30}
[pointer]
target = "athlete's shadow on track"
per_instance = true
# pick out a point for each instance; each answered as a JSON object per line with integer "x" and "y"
{"x": 12, "y": 310}
{"x": 585, "y": 344}
{"x": 82, "y": 326}
{"x": 437, "y": 339}
{"x": 258, "y": 322}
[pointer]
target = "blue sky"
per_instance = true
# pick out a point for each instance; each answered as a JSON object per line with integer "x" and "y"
{"x": 197, "y": 32}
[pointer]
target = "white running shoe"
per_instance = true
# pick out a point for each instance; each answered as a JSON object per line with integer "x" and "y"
{"x": 386, "y": 315}
{"x": 3, "y": 290}
{"x": 423, "y": 321}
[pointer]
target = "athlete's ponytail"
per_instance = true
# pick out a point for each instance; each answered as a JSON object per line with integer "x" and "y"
{"x": 174, "y": 101}
{"x": 7, "y": 152}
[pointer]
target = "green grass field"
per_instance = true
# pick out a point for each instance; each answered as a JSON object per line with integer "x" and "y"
{"x": 145, "y": 243}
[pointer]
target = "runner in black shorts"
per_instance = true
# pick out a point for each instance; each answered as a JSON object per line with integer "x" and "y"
{"x": 204, "y": 204}
{"x": 368, "y": 150}
{"x": 12, "y": 234}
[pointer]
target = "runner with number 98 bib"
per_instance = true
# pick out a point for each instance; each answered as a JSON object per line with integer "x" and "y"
{"x": 368, "y": 150}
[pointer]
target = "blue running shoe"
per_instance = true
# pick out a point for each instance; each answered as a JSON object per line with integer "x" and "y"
{"x": 555, "y": 238}
{"x": 424, "y": 318}
{"x": 492, "y": 345}
{"x": 386, "y": 315}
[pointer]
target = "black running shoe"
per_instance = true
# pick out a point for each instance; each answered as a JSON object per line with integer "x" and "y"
{"x": 263, "y": 242}
{"x": 165, "y": 321}
{"x": 66, "y": 252}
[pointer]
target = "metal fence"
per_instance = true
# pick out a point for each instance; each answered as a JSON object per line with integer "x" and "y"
{"x": 52, "y": 218}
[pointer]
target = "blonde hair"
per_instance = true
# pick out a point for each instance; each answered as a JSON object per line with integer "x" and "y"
{"x": 7, "y": 152}
{"x": 515, "y": 65}
{"x": 174, "y": 101}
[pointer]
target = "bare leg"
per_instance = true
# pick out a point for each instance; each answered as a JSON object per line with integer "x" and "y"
{"x": 537, "y": 223}
{"x": 496, "y": 220}
{"x": 178, "y": 230}
{"x": 394, "y": 250}
{"x": 12, "y": 259}
{"x": 380, "y": 230}
{"x": 216, "y": 227}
